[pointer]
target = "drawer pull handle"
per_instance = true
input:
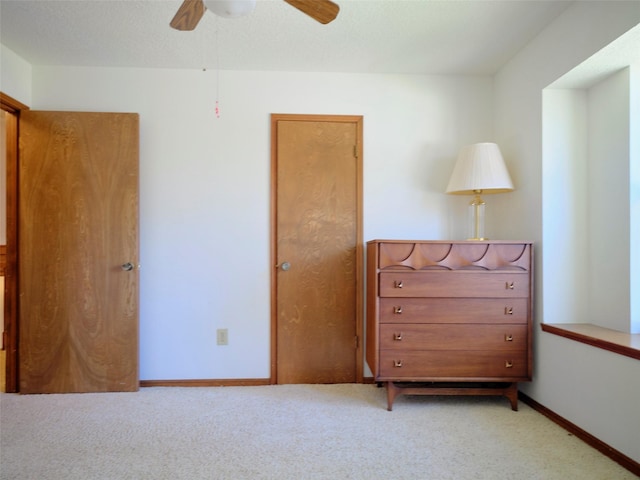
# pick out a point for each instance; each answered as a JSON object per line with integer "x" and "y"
{"x": 397, "y": 284}
{"x": 397, "y": 310}
{"x": 508, "y": 364}
{"x": 509, "y": 285}
{"x": 508, "y": 338}
{"x": 397, "y": 363}
{"x": 397, "y": 336}
{"x": 508, "y": 310}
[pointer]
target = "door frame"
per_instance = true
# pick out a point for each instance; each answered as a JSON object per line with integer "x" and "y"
{"x": 357, "y": 120}
{"x": 11, "y": 327}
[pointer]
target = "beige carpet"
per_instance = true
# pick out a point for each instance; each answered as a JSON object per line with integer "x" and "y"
{"x": 285, "y": 432}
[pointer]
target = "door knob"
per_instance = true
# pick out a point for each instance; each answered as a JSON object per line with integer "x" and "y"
{"x": 127, "y": 267}
{"x": 285, "y": 266}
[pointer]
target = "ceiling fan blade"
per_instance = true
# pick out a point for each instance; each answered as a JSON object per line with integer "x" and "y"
{"x": 188, "y": 15}
{"x": 324, "y": 11}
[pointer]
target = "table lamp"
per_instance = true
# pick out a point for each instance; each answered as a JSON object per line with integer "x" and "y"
{"x": 479, "y": 169}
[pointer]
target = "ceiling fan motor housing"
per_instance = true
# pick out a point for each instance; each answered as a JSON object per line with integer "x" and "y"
{"x": 231, "y": 8}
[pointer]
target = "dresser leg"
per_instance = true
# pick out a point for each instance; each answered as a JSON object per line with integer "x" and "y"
{"x": 392, "y": 391}
{"x": 511, "y": 392}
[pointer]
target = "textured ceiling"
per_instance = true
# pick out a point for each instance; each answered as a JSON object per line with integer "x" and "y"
{"x": 385, "y": 36}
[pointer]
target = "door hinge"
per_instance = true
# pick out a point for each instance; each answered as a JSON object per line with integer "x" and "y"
{"x": 355, "y": 151}
{"x": 356, "y": 341}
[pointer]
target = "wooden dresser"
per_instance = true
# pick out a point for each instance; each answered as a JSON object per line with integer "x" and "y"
{"x": 449, "y": 317}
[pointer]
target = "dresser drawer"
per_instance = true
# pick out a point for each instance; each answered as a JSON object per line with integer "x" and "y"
{"x": 456, "y": 284}
{"x": 442, "y": 365}
{"x": 413, "y": 336}
{"x": 453, "y": 310}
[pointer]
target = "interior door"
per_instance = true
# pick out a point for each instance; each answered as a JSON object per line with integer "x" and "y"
{"x": 78, "y": 244}
{"x": 317, "y": 248}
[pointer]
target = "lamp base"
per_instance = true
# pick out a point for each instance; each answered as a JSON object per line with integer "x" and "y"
{"x": 476, "y": 217}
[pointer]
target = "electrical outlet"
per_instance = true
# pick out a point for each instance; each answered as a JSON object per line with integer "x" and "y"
{"x": 223, "y": 336}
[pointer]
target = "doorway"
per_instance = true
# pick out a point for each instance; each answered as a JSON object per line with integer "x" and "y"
{"x": 317, "y": 251}
{"x": 3, "y": 240}
{"x": 10, "y": 109}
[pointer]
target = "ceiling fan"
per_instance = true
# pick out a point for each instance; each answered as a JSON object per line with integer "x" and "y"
{"x": 191, "y": 11}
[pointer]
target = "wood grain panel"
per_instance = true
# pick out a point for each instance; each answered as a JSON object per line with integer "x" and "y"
{"x": 78, "y": 223}
{"x": 3, "y": 259}
{"x": 317, "y": 235}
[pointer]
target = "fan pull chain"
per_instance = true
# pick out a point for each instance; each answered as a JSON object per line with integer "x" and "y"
{"x": 217, "y": 53}
{"x": 204, "y": 66}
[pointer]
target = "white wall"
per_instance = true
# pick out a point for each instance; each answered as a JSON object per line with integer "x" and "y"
{"x": 596, "y": 390}
{"x": 565, "y": 173}
{"x": 634, "y": 196}
{"x": 15, "y": 76}
{"x": 205, "y": 187}
{"x": 608, "y": 202}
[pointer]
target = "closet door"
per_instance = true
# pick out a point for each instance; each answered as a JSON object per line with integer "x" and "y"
{"x": 78, "y": 252}
{"x": 317, "y": 185}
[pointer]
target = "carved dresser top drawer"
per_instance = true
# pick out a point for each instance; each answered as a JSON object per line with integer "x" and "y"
{"x": 454, "y": 255}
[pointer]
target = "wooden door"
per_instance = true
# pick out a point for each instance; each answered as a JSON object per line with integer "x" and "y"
{"x": 78, "y": 244}
{"x": 317, "y": 248}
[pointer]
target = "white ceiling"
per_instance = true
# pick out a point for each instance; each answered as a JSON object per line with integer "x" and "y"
{"x": 382, "y": 36}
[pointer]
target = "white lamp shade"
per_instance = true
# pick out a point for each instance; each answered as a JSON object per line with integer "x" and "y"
{"x": 230, "y": 8}
{"x": 480, "y": 167}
